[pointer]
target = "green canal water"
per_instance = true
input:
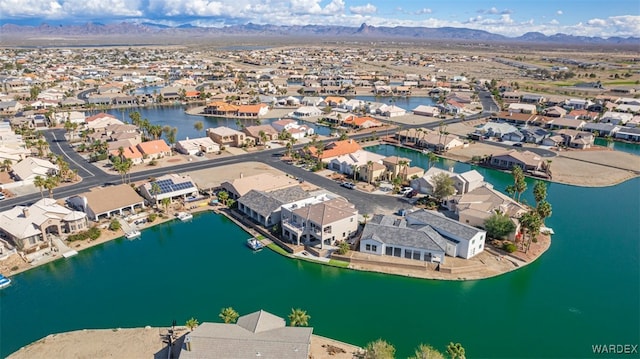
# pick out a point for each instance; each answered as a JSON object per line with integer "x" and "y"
{"x": 584, "y": 291}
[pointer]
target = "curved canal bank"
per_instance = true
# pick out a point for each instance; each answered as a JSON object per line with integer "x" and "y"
{"x": 585, "y": 283}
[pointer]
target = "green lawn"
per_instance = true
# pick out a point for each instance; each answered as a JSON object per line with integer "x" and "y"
{"x": 276, "y": 248}
{"x": 337, "y": 263}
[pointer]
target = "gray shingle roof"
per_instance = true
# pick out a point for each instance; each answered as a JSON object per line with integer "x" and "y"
{"x": 445, "y": 226}
{"x": 266, "y": 203}
{"x": 394, "y": 231}
{"x": 259, "y": 334}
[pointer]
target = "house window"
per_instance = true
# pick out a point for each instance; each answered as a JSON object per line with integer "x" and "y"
{"x": 368, "y": 247}
{"x": 389, "y": 251}
{"x": 416, "y": 255}
{"x": 397, "y": 252}
{"x": 473, "y": 241}
{"x": 407, "y": 253}
{"x": 427, "y": 257}
{"x": 374, "y": 248}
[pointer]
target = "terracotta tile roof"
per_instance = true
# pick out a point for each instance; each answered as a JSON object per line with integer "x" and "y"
{"x": 337, "y": 148}
{"x": 251, "y": 108}
{"x": 153, "y": 147}
{"x": 129, "y": 152}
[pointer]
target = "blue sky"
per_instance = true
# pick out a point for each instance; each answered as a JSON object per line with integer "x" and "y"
{"x": 604, "y": 18}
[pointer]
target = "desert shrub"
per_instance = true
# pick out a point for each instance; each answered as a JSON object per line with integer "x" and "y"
{"x": 509, "y": 247}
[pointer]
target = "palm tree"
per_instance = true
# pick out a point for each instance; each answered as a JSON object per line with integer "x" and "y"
{"x": 228, "y": 315}
{"x": 50, "y": 183}
{"x": 424, "y": 351}
{"x": 432, "y": 158}
{"x": 369, "y": 171}
{"x": 223, "y": 196}
{"x": 165, "y": 203}
{"x": 298, "y": 318}
{"x": 39, "y": 182}
{"x": 6, "y": 165}
{"x": 404, "y": 166}
{"x": 455, "y": 351}
{"x": 155, "y": 190}
{"x": 365, "y": 217}
{"x": 191, "y": 323}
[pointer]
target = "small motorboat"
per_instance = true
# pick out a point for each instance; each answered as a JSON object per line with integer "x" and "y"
{"x": 254, "y": 244}
{"x": 132, "y": 234}
{"x": 184, "y": 216}
{"x": 4, "y": 281}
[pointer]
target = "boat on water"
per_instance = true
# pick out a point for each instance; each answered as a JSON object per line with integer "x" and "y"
{"x": 546, "y": 230}
{"x": 132, "y": 234}
{"x": 4, "y": 281}
{"x": 184, "y": 216}
{"x": 254, "y": 244}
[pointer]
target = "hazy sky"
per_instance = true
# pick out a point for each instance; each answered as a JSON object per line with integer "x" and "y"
{"x": 603, "y": 18}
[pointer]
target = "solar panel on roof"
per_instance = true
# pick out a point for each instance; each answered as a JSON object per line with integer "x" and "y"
{"x": 167, "y": 186}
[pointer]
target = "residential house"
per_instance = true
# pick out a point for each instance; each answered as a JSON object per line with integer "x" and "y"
{"x": 361, "y": 122}
{"x": 372, "y": 171}
{"x": 31, "y": 227}
{"x": 462, "y": 182}
{"x": 221, "y": 108}
{"x": 602, "y": 129}
{"x": 578, "y": 104}
{"x": 522, "y": 108}
{"x": 226, "y": 136}
{"x": 628, "y": 134}
{"x": 555, "y": 111}
{"x": 101, "y": 121}
{"x": 335, "y": 149}
{"x": 319, "y": 219}
{"x": 170, "y": 186}
{"x": 424, "y": 110}
{"x": 583, "y": 115}
{"x": 534, "y": 134}
{"x": 193, "y": 146}
{"x": 513, "y": 117}
{"x": 264, "y": 182}
{"x": 511, "y": 97}
{"x": 440, "y": 142}
{"x": 253, "y": 111}
{"x": 392, "y": 236}
{"x": 391, "y": 111}
{"x": 515, "y": 136}
{"x": 566, "y": 123}
{"x": 306, "y": 111}
{"x": 577, "y": 139}
{"x": 259, "y": 334}
{"x": 352, "y": 162}
{"x": 129, "y": 152}
{"x": 105, "y": 202}
{"x": 154, "y": 149}
{"x": 532, "y": 99}
{"x": 476, "y": 206}
{"x": 526, "y": 160}
{"x": 467, "y": 241}
{"x": 261, "y": 133}
{"x": 495, "y": 129}
{"x": 31, "y": 167}
{"x": 264, "y": 207}
{"x": 616, "y": 118}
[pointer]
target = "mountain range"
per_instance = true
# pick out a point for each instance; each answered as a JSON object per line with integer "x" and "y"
{"x": 313, "y": 31}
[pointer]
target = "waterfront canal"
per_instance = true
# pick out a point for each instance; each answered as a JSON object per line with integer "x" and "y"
{"x": 584, "y": 291}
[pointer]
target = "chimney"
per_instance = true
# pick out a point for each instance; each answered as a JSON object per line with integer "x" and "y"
{"x": 25, "y": 212}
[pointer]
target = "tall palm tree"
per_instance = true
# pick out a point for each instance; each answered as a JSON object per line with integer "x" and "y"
{"x": 155, "y": 190}
{"x": 39, "y": 182}
{"x": 369, "y": 171}
{"x": 50, "y": 183}
{"x": 298, "y": 318}
{"x": 228, "y": 315}
{"x": 223, "y": 196}
{"x": 166, "y": 202}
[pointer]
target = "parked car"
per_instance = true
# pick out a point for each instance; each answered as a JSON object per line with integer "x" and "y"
{"x": 349, "y": 185}
{"x": 405, "y": 190}
{"x": 517, "y": 144}
{"x": 2, "y": 196}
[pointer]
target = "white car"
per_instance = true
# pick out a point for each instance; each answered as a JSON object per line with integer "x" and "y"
{"x": 2, "y": 196}
{"x": 405, "y": 190}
